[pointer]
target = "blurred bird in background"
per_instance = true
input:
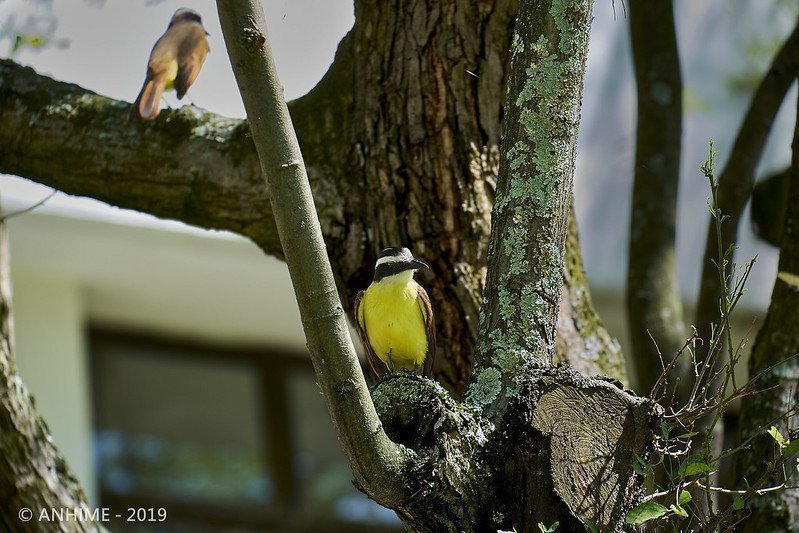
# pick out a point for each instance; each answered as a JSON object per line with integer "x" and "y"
{"x": 175, "y": 62}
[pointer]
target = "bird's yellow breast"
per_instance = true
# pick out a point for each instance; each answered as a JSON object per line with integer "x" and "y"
{"x": 394, "y": 322}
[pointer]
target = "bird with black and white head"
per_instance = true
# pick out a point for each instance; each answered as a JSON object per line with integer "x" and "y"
{"x": 394, "y": 318}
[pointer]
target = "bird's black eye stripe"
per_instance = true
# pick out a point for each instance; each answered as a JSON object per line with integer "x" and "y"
{"x": 389, "y": 269}
{"x": 193, "y": 16}
{"x": 186, "y": 17}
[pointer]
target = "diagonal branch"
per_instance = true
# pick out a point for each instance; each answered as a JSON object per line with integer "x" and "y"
{"x": 737, "y": 179}
{"x": 376, "y": 461}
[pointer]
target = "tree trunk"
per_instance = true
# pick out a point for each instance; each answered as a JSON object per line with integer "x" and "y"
{"x": 654, "y": 306}
{"x": 401, "y": 146}
{"x": 777, "y": 343}
{"x": 33, "y": 474}
{"x": 400, "y": 140}
{"x": 533, "y": 453}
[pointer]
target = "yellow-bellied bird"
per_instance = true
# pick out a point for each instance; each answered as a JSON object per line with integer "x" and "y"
{"x": 175, "y": 61}
{"x": 394, "y": 318}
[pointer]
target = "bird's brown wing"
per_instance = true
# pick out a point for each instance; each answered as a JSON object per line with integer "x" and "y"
{"x": 148, "y": 103}
{"x": 430, "y": 326}
{"x": 191, "y": 56}
{"x": 360, "y": 326}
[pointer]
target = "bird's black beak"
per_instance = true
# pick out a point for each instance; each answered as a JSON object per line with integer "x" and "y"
{"x": 418, "y": 265}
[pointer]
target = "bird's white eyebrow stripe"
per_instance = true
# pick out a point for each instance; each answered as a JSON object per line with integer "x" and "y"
{"x": 389, "y": 259}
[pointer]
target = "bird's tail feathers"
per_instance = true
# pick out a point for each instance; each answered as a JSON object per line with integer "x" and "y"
{"x": 148, "y": 104}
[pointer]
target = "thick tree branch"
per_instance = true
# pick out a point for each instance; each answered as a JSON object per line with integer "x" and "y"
{"x": 376, "y": 461}
{"x": 582, "y": 341}
{"x": 653, "y": 297}
{"x": 533, "y": 198}
{"x": 737, "y": 178}
{"x": 191, "y": 166}
{"x": 777, "y": 343}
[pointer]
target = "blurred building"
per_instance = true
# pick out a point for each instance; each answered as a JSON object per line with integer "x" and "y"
{"x": 171, "y": 367}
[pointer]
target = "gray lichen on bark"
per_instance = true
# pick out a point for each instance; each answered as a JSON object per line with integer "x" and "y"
{"x": 530, "y": 216}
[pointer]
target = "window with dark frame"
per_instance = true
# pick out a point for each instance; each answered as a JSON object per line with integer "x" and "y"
{"x": 216, "y": 436}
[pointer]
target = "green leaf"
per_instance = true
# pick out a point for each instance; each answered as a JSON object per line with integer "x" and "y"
{"x": 548, "y": 529}
{"x": 782, "y": 442}
{"x": 737, "y": 502}
{"x": 591, "y": 527}
{"x": 685, "y": 497}
{"x": 677, "y": 509}
{"x": 791, "y": 449}
{"x": 687, "y": 435}
{"x": 645, "y": 512}
{"x": 694, "y": 465}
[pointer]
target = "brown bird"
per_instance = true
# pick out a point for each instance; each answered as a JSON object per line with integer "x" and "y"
{"x": 175, "y": 61}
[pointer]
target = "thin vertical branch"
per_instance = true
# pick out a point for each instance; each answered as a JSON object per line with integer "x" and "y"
{"x": 654, "y": 306}
{"x": 375, "y": 460}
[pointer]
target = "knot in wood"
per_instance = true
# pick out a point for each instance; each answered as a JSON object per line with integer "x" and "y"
{"x": 252, "y": 39}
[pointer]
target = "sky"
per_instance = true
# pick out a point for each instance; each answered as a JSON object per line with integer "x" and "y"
{"x": 109, "y": 43}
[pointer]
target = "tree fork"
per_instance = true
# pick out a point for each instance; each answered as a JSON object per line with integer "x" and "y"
{"x": 67, "y": 137}
{"x": 442, "y": 445}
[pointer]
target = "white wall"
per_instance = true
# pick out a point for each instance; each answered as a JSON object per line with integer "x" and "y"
{"x": 51, "y": 358}
{"x": 70, "y": 272}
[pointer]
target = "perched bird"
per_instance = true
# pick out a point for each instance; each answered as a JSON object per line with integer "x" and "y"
{"x": 394, "y": 318}
{"x": 175, "y": 61}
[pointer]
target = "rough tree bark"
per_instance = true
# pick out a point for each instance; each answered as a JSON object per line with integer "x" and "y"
{"x": 400, "y": 140}
{"x": 553, "y": 446}
{"x": 409, "y": 111}
{"x": 654, "y": 307}
{"x": 776, "y": 341}
{"x": 33, "y": 474}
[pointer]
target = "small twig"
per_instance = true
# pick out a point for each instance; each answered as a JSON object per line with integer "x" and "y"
{"x": 29, "y": 209}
